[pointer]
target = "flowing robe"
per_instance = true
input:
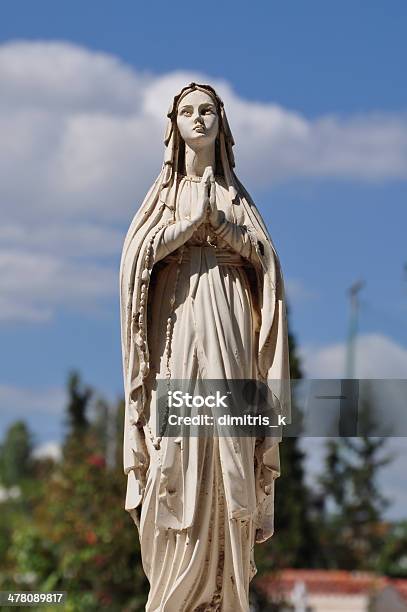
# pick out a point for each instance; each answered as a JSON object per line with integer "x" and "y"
{"x": 203, "y": 498}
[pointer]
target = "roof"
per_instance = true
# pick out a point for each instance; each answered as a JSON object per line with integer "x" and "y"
{"x": 328, "y": 582}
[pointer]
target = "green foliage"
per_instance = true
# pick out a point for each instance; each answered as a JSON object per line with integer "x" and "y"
{"x": 393, "y": 557}
{"x": 78, "y": 404}
{"x": 295, "y": 542}
{"x": 32, "y": 553}
{"x": 69, "y": 531}
{"x": 354, "y": 533}
{"x": 259, "y": 602}
{"x": 93, "y": 538}
{"x": 15, "y": 454}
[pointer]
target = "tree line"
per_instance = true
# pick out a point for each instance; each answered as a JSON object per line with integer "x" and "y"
{"x": 63, "y": 525}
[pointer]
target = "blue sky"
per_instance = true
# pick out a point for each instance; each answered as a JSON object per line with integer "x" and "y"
{"x": 330, "y": 179}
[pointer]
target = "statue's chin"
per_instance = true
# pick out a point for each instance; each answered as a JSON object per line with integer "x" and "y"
{"x": 199, "y": 140}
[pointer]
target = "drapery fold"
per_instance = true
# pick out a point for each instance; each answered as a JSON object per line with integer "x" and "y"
{"x": 272, "y": 354}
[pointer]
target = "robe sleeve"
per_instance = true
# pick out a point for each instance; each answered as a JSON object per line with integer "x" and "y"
{"x": 173, "y": 237}
{"x": 241, "y": 238}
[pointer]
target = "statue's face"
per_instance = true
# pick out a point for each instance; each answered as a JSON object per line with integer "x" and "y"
{"x": 197, "y": 119}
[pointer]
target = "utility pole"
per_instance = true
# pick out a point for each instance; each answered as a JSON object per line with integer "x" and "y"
{"x": 353, "y": 293}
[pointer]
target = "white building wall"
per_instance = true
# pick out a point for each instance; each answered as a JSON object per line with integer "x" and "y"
{"x": 338, "y": 603}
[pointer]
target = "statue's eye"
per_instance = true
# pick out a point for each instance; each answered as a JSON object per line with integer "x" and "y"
{"x": 186, "y": 112}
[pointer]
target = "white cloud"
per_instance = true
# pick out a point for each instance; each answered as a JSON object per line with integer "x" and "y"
{"x": 33, "y": 284}
{"x": 297, "y": 291}
{"x": 82, "y": 134}
{"x": 82, "y": 140}
{"x": 63, "y": 75}
{"x": 377, "y": 356}
{"x": 41, "y": 402}
{"x": 287, "y": 145}
{"x": 50, "y": 450}
{"x": 69, "y": 239}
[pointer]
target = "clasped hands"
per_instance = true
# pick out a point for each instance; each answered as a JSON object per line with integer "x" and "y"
{"x": 206, "y": 207}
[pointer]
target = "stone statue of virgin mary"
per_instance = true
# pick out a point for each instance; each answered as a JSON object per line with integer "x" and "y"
{"x": 202, "y": 297}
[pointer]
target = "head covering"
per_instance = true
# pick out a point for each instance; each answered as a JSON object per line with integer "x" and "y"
{"x": 174, "y": 144}
{"x": 156, "y": 212}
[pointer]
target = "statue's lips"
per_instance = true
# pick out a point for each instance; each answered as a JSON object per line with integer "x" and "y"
{"x": 199, "y": 129}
